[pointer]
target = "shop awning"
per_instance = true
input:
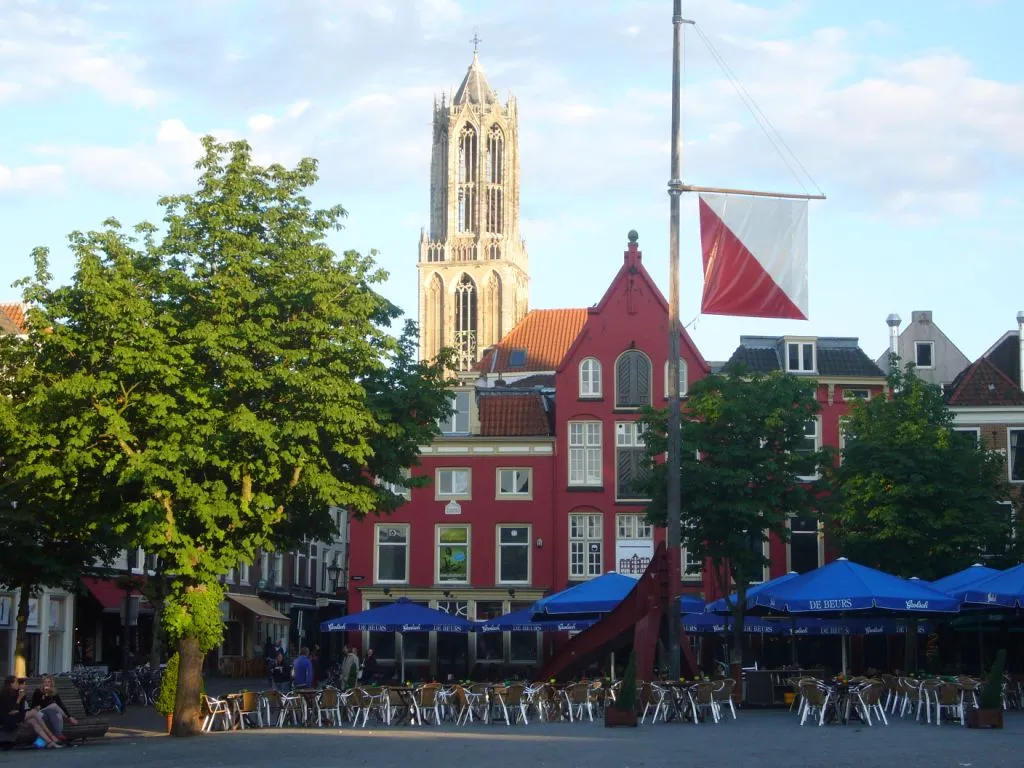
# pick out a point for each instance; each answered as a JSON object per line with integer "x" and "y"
{"x": 261, "y": 608}
{"x": 108, "y": 593}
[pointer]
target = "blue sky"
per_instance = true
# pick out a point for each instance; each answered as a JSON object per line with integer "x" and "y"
{"x": 909, "y": 115}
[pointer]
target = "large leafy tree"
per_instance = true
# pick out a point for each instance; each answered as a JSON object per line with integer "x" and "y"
{"x": 53, "y": 525}
{"x": 233, "y": 377}
{"x": 914, "y": 497}
{"x": 744, "y": 456}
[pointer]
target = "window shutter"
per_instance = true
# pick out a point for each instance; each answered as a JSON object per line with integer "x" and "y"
{"x": 626, "y": 467}
{"x": 624, "y": 379}
{"x": 642, "y": 380}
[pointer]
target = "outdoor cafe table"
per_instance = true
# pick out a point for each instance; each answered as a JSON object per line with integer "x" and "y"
{"x": 308, "y": 697}
{"x": 408, "y": 716}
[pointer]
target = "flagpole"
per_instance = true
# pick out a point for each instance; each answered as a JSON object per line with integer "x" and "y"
{"x": 675, "y": 189}
{"x": 749, "y": 192}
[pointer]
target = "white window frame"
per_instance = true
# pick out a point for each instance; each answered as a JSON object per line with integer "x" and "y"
{"x": 765, "y": 552}
{"x": 229, "y": 577}
{"x": 629, "y": 435}
{"x": 437, "y": 552}
{"x": 278, "y": 569}
{"x": 801, "y": 363}
{"x": 243, "y": 574}
{"x": 684, "y": 383}
{"x": 842, "y": 435}
{"x": 931, "y": 346}
{"x": 592, "y": 520}
{"x": 264, "y": 566}
{"x": 817, "y": 446}
{"x": 848, "y": 397}
{"x": 685, "y": 562}
{"x": 585, "y": 438}
{"x": 376, "y": 551}
{"x": 299, "y": 565}
{"x": 450, "y": 425}
{"x": 642, "y": 528}
{"x": 440, "y": 495}
{"x": 590, "y": 383}
{"x": 399, "y": 490}
{"x": 1009, "y": 454}
{"x": 498, "y": 546}
{"x": 820, "y": 541}
{"x": 514, "y": 495}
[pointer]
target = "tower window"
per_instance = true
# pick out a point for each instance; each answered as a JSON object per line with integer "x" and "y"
{"x": 467, "y": 155}
{"x": 495, "y": 156}
{"x": 465, "y": 322}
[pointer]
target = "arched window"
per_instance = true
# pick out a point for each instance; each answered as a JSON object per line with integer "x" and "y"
{"x": 590, "y": 377}
{"x": 683, "y": 386}
{"x": 465, "y": 322}
{"x": 495, "y": 177}
{"x": 434, "y": 317}
{"x": 632, "y": 379}
{"x": 467, "y": 192}
{"x": 492, "y": 310}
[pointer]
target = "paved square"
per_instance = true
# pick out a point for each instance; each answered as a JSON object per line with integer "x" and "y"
{"x": 758, "y": 738}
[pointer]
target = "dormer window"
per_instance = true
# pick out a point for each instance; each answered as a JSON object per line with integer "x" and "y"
{"x": 517, "y": 358}
{"x": 800, "y": 357}
{"x": 458, "y": 422}
{"x": 924, "y": 354}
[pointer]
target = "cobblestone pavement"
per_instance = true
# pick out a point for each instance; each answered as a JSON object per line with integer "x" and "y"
{"x": 758, "y": 738}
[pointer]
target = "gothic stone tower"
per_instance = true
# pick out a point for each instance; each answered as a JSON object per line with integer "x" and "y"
{"x": 473, "y": 268}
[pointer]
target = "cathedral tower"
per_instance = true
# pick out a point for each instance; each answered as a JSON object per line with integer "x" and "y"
{"x": 473, "y": 267}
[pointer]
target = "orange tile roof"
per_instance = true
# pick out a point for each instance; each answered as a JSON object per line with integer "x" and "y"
{"x": 14, "y": 315}
{"x": 513, "y": 414}
{"x": 544, "y": 334}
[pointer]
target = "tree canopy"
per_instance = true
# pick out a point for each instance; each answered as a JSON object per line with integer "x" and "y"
{"x": 744, "y": 466}
{"x": 914, "y": 497}
{"x": 231, "y": 377}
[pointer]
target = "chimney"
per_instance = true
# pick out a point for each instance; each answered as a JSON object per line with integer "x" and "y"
{"x": 893, "y": 321}
{"x": 1020, "y": 342}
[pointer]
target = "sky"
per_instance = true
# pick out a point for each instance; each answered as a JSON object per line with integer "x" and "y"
{"x": 908, "y": 115}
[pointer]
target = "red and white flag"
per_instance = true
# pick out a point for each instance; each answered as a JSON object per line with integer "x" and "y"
{"x": 755, "y": 256}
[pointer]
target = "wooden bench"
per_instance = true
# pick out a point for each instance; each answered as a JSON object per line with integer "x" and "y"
{"x": 87, "y": 728}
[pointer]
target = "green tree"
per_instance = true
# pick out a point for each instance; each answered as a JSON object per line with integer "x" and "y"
{"x": 744, "y": 454}
{"x": 914, "y": 497}
{"x": 234, "y": 378}
{"x": 53, "y": 526}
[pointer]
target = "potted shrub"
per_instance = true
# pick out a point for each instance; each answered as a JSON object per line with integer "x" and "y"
{"x": 623, "y": 711}
{"x": 990, "y": 709}
{"x": 168, "y": 691}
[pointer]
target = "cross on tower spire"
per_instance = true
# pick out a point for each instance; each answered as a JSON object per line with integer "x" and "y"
{"x": 475, "y": 40}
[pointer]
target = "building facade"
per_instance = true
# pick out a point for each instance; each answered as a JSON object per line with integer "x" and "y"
{"x": 987, "y": 401}
{"x": 936, "y": 359}
{"x": 473, "y": 268}
{"x": 843, "y": 373}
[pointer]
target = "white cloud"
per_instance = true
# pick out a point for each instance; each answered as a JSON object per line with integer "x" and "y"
{"x": 30, "y": 178}
{"x": 43, "y": 49}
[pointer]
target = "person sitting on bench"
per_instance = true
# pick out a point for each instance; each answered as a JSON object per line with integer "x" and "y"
{"x": 51, "y": 707}
{"x": 13, "y": 712}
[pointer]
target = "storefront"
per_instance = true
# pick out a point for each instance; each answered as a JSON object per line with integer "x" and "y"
{"x": 50, "y": 618}
{"x": 248, "y": 621}
{"x": 99, "y": 633}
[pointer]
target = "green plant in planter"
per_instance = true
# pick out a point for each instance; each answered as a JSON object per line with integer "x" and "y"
{"x": 164, "y": 703}
{"x": 992, "y": 693}
{"x": 627, "y": 691}
{"x": 168, "y": 687}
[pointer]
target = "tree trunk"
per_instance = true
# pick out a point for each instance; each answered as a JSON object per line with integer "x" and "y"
{"x": 187, "y": 720}
{"x": 21, "y": 635}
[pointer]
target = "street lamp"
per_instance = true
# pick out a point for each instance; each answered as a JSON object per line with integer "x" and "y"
{"x": 334, "y": 574}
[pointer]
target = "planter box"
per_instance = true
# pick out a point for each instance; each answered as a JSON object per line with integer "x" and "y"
{"x": 985, "y": 718}
{"x": 615, "y": 718}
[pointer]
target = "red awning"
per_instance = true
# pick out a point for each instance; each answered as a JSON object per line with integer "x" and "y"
{"x": 109, "y": 594}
